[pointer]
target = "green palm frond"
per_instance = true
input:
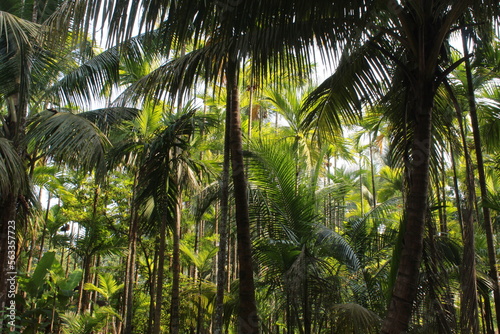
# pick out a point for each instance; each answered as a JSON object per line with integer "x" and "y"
{"x": 201, "y": 259}
{"x": 18, "y": 40}
{"x": 354, "y": 318}
{"x": 204, "y": 199}
{"x": 359, "y": 78}
{"x": 85, "y": 323}
{"x": 335, "y": 245}
{"x": 16, "y": 33}
{"x": 68, "y": 138}
{"x": 176, "y": 76}
{"x": 13, "y": 177}
{"x": 274, "y": 173}
{"x": 106, "y": 118}
{"x": 86, "y": 83}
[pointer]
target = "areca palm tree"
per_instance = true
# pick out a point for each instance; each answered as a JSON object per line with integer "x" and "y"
{"x": 161, "y": 180}
{"x": 300, "y": 257}
{"x": 404, "y": 43}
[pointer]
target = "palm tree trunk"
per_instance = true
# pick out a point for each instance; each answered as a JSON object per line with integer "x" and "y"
{"x": 130, "y": 267}
{"x": 223, "y": 231}
{"x": 488, "y": 227}
{"x": 372, "y": 170}
{"x": 176, "y": 266}
{"x": 84, "y": 294}
{"x": 160, "y": 269}
{"x": 248, "y": 322}
{"x": 406, "y": 283}
{"x": 469, "y": 318}
{"x": 152, "y": 268}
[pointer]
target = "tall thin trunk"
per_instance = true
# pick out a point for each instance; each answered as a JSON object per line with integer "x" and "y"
{"x": 152, "y": 268}
{"x": 248, "y": 322}
{"x": 176, "y": 266}
{"x": 488, "y": 227}
{"x": 469, "y": 317}
{"x": 160, "y": 270}
{"x": 84, "y": 298}
{"x": 372, "y": 170}
{"x": 44, "y": 228}
{"x": 131, "y": 261}
{"x": 222, "y": 259}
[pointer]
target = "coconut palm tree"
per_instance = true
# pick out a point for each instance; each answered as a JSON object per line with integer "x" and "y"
{"x": 419, "y": 32}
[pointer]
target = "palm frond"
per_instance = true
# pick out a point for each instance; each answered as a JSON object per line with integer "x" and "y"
{"x": 68, "y": 138}
{"x": 86, "y": 83}
{"x": 106, "y": 118}
{"x": 354, "y": 318}
{"x": 16, "y": 33}
{"x": 13, "y": 177}
{"x": 359, "y": 78}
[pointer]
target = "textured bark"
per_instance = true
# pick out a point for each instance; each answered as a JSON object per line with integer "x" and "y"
{"x": 248, "y": 322}
{"x": 407, "y": 279}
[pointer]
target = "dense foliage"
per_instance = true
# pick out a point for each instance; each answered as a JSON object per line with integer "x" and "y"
{"x": 249, "y": 166}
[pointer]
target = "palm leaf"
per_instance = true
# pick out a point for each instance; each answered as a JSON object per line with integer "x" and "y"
{"x": 13, "y": 177}
{"x": 17, "y": 33}
{"x": 68, "y": 138}
{"x": 354, "y": 318}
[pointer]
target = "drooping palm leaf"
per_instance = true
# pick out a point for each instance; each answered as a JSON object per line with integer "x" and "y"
{"x": 13, "y": 177}
{"x": 68, "y": 138}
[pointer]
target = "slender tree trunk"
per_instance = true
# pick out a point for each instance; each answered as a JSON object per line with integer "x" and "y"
{"x": 488, "y": 227}
{"x": 372, "y": 169}
{"x": 131, "y": 260}
{"x": 160, "y": 270}
{"x": 223, "y": 230}
{"x": 44, "y": 228}
{"x": 469, "y": 317}
{"x": 176, "y": 266}
{"x": 152, "y": 269}
{"x": 248, "y": 322}
{"x": 84, "y": 299}
{"x": 407, "y": 279}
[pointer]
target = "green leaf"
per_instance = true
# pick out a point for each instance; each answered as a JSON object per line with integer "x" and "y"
{"x": 37, "y": 280}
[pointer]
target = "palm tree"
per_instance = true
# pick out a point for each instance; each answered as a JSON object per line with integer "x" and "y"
{"x": 487, "y": 223}
{"x": 30, "y": 67}
{"x": 17, "y": 38}
{"x": 418, "y": 31}
{"x": 160, "y": 180}
{"x": 300, "y": 257}
{"x": 230, "y": 32}
{"x": 131, "y": 142}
